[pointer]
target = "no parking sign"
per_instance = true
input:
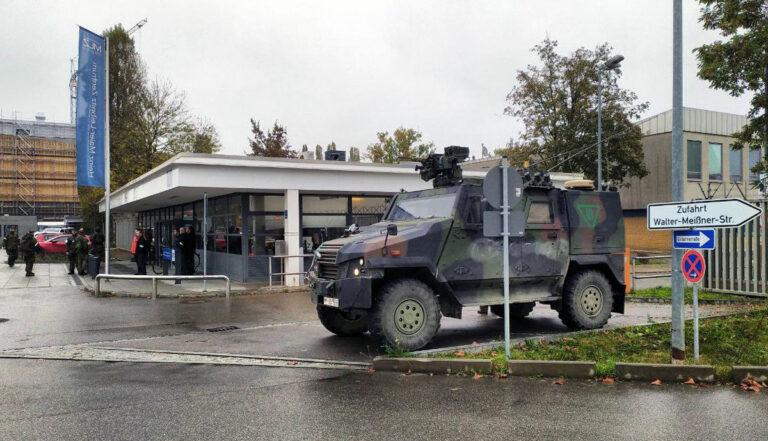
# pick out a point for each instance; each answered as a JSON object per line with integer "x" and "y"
{"x": 693, "y": 266}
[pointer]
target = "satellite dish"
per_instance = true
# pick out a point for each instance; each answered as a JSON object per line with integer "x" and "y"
{"x": 492, "y": 189}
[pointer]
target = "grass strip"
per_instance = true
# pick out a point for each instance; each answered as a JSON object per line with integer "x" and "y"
{"x": 739, "y": 339}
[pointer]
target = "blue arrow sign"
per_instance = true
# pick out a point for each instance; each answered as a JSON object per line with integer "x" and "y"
{"x": 693, "y": 239}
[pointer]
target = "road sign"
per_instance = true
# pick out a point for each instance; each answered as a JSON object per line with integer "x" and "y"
{"x": 693, "y": 239}
{"x": 712, "y": 213}
{"x": 693, "y": 266}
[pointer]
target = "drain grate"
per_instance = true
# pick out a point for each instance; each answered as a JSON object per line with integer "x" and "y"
{"x": 222, "y": 328}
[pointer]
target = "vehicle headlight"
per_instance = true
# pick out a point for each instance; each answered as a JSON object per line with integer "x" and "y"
{"x": 357, "y": 267}
{"x": 317, "y": 254}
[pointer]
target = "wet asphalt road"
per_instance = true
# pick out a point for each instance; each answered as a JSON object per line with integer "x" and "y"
{"x": 45, "y": 400}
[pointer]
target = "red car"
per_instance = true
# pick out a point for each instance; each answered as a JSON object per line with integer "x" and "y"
{"x": 58, "y": 244}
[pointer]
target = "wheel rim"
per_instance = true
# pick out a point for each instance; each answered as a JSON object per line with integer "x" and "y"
{"x": 409, "y": 316}
{"x": 591, "y": 300}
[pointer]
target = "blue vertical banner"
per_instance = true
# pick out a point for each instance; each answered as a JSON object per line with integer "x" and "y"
{"x": 91, "y": 108}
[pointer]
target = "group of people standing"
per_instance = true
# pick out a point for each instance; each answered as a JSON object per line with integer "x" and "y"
{"x": 78, "y": 249}
{"x": 27, "y": 246}
{"x": 184, "y": 247}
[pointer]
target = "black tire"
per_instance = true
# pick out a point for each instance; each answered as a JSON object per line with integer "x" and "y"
{"x": 406, "y": 314}
{"x": 516, "y": 310}
{"x": 342, "y": 323}
{"x": 587, "y": 301}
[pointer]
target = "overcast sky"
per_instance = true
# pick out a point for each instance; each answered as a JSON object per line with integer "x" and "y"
{"x": 343, "y": 70}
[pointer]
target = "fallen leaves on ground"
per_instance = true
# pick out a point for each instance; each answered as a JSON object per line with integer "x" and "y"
{"x": 608, "y": 380}
{"x": 477, "y": 377}
{"x": 559, "y": 381}
{"x": 459, "y": 354}
{"x": 751, "y": 384}
{"x": 503, "y": 375}
{"x": 690, "y": 381}
{"x": 292, "y": 362}
{"x": 656, "y": 382}
{"x": 371, "y": 370}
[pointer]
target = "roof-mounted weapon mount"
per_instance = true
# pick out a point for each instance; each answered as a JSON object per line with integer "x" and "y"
{"x": 443, "y": 168}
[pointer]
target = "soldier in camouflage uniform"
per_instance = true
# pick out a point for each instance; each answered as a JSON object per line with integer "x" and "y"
{"x": 28, "y": 248}
{"x": 429, "y": 258}
{"x": 71, "y": 254}
{"x": 81, "y": 252}
{"x": 11, "y": 245}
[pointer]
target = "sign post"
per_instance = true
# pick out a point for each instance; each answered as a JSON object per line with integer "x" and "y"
{"x": 505, "y": 244}
{"x": 693, "y": 268}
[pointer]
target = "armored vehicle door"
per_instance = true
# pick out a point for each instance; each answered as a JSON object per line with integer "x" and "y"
{"x": 544, "y": 248}
{"x": 471, "y": 262}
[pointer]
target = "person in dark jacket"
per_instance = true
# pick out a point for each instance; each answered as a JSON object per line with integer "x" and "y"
{"x": 189, "y": 251}
{"x": 11, "y": 245}
{"x": 179, "y": 237}
{"x": 71, "y": 254}
{"x": 142, "y": 247}
{"x": 97, "y": 244}
{"x": 28, "y": 248}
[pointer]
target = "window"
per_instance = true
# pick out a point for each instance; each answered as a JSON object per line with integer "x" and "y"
{"x": 735, "y": 165}
{"x": 324, "y": 204}
{"x": 694, "y": 159}
{"x": 367, "y": 210}
{"x": 424, "y": 207}
{"x": 754, "y": 158}
{"x": 265, "y": 230}
{"x": 715, "y": 161}
{"x": 266, "y": 203}
{"x": 540, "y": 213}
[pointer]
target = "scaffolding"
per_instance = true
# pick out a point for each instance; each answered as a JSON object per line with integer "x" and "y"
{"x": 37, "y": 169}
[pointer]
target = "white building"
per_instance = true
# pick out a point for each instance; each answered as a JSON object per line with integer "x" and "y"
{"x": 259, "y": 207}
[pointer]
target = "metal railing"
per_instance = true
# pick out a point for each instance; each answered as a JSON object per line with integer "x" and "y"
{"x": 283, "y": 274}
{"x": 155, "y": 278}
{"x": 650, "y": 275}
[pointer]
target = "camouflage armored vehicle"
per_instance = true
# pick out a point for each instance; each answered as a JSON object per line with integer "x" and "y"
{"x": 429, "y": 258}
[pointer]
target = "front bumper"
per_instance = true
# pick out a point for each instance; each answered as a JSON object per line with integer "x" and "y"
{"x": 352, "y": 293}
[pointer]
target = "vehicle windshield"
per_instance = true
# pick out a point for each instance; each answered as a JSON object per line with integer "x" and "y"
{"x": 440, "y": 205}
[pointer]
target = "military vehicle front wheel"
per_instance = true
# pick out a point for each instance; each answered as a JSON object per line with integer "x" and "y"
{"x": 342, "y": 323}
{"x": 516, "y": 310}
{"x": 587, "y": 301}
{"x": 406, "y": 314}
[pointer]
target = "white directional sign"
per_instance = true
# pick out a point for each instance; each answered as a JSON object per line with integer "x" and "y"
{"x": 712, "y": 213}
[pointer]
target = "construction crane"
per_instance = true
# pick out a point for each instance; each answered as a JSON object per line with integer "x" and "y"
{"x": 73, "y": 76}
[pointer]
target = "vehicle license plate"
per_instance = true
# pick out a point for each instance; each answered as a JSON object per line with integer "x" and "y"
{"x": 330, "y": 301}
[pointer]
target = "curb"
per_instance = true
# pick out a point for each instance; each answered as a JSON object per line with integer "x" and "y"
{"x": 433, "y": 365}
{"x": 665, "y": 372}
{"x": 758, "y": 373}
{"x": 547, "y": 368}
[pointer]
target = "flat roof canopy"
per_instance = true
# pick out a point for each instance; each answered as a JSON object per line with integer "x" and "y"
{"x": 185, "y": 177}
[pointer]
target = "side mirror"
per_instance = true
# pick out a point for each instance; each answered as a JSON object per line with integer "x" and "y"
{"x": 392, "y": 230}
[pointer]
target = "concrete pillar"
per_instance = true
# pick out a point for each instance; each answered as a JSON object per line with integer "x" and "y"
{"x": 293, "y": 237}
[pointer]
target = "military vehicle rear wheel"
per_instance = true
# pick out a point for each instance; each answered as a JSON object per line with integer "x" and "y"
{"x": 516, "y": 310}
{"x": 342, "y": 323}
{"x": 406, "y": 314}
{"x": 587, "y": 301}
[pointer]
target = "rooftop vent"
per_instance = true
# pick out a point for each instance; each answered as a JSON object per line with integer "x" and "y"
{"x": 40, "y": 116}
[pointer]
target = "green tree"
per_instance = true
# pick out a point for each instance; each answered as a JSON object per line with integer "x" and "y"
{"x": 127, "y": 84}
{"x": 354, "y": 154}
{"x": 274, "y": 143}
{"x": 331, "y": 146}
{"x": 198, "y": 137}
{"x": 403, "y": 145}
{"x": 517, "y": 154}
{"x": 738, "y": 64}
{"x": 319, "y": 152}
{"x": 557, "y": 103}
{"x": 164, "y": 121}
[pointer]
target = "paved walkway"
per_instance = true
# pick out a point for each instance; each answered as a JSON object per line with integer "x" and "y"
{"x": 46, "y": 275}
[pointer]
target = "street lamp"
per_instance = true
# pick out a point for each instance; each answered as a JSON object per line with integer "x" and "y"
{"x": 612, "y": 63}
